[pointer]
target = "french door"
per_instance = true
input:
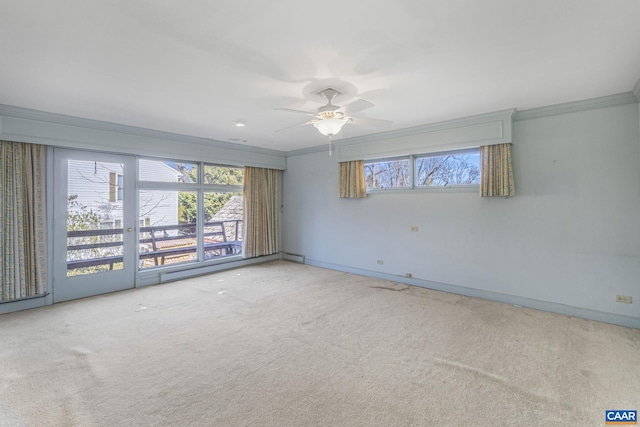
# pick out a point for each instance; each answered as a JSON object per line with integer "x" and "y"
{"x": 94, "y": 223}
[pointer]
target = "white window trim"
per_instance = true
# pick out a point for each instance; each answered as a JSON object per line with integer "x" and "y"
{"x": 456, "y": 188}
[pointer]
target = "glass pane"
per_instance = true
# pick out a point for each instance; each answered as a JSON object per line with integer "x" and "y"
{"x": 449, "y": 169}
{"x": 167, "y": 227}
{"x": 94, "y": 217}
{"x": 167, "y": 171}
{"x": 223, "y": 175}
{"x": 223, "y": 224}
{"x": 387, "y": 174}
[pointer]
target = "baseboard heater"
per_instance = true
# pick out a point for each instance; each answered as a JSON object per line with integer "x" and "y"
{"x": 293, "y": 257}
{"x": 184, "y": 274}
{"x": 25, "y": 298}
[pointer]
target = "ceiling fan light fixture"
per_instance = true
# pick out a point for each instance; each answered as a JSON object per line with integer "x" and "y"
{"x": 330, "y": 127}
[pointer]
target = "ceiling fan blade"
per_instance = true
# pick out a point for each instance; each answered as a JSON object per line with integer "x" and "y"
{"x": 289, "y": 110}
{"x": 355, "y": 106}
{"x": 288, "y": 128}
{"x": 371, "y": 122}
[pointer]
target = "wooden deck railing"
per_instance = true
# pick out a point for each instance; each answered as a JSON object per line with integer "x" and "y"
{"x": 159, "y": 244}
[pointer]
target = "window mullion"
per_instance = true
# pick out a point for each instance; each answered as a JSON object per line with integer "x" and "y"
{"x": 223, "y": 188}
{"x": 412, "y": 162}
{"x": 200, "y": 213}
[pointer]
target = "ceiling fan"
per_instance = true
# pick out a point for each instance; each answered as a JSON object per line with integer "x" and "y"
{"x": 329, "y": 119}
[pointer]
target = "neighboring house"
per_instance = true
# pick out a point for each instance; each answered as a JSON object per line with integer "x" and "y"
{"x": 98, "y": 187}
{"x": 230, "y": 213}
{"x": 159, "y": 207}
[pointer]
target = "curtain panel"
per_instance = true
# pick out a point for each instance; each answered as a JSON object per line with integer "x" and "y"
{"x": 352, "y": 183}
{"x": 23, "y": 244}
{"x": 496, "y": 173}
{"x": 260, "y": 211}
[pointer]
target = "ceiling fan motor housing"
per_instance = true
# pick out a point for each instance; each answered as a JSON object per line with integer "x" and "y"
{"x": 329, "y": 111}
{"x": 329, "y": 93}
{"x": 330, "y": 118}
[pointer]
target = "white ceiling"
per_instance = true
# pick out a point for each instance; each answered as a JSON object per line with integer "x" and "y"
{"x": 193, "y": 67}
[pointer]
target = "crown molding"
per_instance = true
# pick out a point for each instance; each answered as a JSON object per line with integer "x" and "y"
{"x": 311, "y": 150}
{"x": 576, "y": 106}
{"x": 466, "y": 132}
{"x": 432, "y": 127}
{"x": 61, "y": 119}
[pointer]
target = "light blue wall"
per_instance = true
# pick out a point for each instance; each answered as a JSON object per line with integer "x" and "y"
{"x": 569, "y": 240}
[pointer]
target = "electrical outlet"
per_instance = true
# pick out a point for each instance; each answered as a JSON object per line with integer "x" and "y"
{"x": 414, "y": 228}
{"x": 380, "y": 262}
{"x": 623, "y": 298}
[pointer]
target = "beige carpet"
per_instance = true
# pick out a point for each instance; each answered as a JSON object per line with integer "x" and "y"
{"x": 283, "y": 344}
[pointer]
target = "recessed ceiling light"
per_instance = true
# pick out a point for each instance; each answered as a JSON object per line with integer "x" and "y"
{"x": 240, "y": 123}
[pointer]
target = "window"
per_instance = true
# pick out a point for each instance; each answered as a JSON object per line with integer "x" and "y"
{"x": 120, "y": 183}
{"x": 444, "y": 170}
{"x": 170, "y": 234}
{"x": 223, "y": 175}
{"x": 192, "y": 212}
{"x": 388, "y": 173}
{"x": 223, "y": 209}
{"x": 116, "y": 184}
{"x": 222, "y": 223}
{"x": 460, "y": 168}
{"x": 167, "y": 171}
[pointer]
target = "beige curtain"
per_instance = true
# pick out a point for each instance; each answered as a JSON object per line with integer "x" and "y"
{"x": 23, "y": 246}
{"x": 260, "y": 211}
{"x": 352, "y": 184}
{"x": 496, "y": 173}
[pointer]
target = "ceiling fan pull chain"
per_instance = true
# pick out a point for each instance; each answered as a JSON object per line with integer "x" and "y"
{"x": 330, "y": 145}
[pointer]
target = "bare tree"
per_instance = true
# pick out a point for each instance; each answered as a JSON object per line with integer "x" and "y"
{"x": 389, "y": 174}
{"x": 446, "y": 170}
{"x": 440, "y": 171}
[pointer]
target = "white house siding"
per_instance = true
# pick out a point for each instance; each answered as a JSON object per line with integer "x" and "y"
{"x": 158, "y": 207}
{"x": 157, "y": 171}
{"x": 90, "y": 182}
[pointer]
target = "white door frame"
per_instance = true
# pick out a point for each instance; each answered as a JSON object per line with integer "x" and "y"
{"x": 67, "y": 288}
